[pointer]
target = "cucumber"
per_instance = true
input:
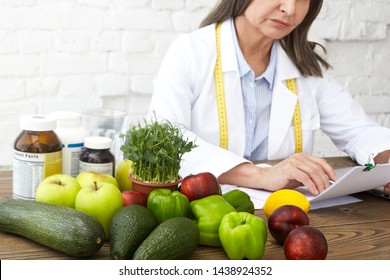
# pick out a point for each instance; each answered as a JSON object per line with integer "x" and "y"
{"x": 129, "y": 227}
{"x": 61, "y": 228}
{"x": 174, "y": 239}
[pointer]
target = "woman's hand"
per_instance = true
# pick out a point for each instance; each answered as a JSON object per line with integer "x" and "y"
{"x": 297, "y": 170}
{"x": 301, "y": 169}
{"x": 384, "y": 157}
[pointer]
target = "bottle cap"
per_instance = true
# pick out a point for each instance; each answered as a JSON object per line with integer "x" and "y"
{"x": 97, "y": 142}
{"x": 66, "y": 118}
{"x": 38, "y": 123}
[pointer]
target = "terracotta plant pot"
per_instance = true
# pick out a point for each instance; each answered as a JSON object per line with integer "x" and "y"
{"x": 146, "y": 187}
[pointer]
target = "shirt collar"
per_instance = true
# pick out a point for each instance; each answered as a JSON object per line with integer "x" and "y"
{"x": 244, "y": 67}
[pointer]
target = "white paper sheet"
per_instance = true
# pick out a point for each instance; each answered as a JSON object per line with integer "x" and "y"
{"x": 354, "y": 180}
{"x": 350, "y": 180}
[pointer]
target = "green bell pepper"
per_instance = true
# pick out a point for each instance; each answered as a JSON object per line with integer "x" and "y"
{"x": 240, "y": 200}
{"x": 208, "y": 212}
{"x": 243, "y": 235}
{"x": 165, "y": 204}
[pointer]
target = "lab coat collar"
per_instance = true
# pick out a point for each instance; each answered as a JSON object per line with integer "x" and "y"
{"x": 285, "y": 68}
{"x": 228, "y": 52}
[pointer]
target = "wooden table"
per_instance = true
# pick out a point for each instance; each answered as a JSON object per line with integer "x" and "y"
{"x": 355, "y": 231}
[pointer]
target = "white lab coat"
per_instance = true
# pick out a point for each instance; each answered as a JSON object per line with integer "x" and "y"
{"x": 185, "y": 93}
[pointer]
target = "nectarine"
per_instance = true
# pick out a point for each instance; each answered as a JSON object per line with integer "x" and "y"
{"x": 305, "y": 243}
{"x": 284, "y": 219}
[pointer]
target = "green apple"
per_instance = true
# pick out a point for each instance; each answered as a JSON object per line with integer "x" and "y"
{"x": 101, "y": 201}
{"x": 88, "y": 178}
{"x": 58, "y": 189}
{"x": 122, "y": 175}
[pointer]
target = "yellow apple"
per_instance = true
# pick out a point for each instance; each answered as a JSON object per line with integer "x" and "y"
{"x": 122, "y": 175}
{"x": 88, "y": 178}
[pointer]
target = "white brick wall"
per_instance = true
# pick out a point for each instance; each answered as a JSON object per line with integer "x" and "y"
{"x": 74, "y": 54}
{"x": 357, "y": 38}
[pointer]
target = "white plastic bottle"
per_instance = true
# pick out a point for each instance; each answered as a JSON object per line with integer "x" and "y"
{"x": 72, "y": 133}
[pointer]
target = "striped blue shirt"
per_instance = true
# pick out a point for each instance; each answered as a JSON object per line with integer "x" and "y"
{"x": 257, "y": 96}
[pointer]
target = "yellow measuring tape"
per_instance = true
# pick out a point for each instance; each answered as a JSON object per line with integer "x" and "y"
{"x": 223, "y": 128}
{"x": 291, "y": 85}
{"x": 220, "y": 94}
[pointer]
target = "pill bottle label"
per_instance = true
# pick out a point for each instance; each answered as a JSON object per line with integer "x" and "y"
{"x": 106, "y": 168}
{"x": 30, "y": 169}
{"x": 70, "y": 158}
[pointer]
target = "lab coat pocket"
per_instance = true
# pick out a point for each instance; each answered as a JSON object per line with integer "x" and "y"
{"x": 312, "y": 124}
{"x": 308, "y": 132}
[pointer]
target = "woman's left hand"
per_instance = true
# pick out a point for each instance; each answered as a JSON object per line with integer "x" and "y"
{"x": 384, "y": 157}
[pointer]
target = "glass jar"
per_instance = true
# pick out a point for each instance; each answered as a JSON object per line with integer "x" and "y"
{"x": 96, "y": 156}
{"x": 37, "y": 155}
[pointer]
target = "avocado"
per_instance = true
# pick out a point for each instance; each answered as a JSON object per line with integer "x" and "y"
{"x": 129, "y": 227}
{"x": 174, "y": 239}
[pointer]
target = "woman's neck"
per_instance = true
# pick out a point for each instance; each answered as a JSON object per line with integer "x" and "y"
{"x": 255, "y": 47}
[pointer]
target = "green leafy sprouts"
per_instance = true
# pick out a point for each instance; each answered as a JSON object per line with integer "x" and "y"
{"x": 156, "y": 149}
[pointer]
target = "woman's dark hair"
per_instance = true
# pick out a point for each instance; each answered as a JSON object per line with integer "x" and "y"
{"x": 296, "y": 44}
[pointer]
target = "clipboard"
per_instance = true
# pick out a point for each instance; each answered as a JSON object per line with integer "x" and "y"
{"x": 355, "y": 179}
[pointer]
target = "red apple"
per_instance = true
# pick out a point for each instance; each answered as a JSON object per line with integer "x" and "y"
{"x": 200, "y": 185}
{"x": 306, "y": 243}
{"x": 284, "y": 219}
{"x": 134, "y": 197}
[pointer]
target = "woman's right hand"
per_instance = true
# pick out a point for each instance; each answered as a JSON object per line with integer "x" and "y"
{"x": 297, "y": 170}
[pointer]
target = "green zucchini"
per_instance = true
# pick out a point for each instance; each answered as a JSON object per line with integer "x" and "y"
{"x": 61, "y": 228}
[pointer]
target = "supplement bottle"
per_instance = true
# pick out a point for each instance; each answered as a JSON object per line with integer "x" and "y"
{"x": 37, "y": 155}
{"x": 96, "y": 156}
{"x": 71, "y": 131}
